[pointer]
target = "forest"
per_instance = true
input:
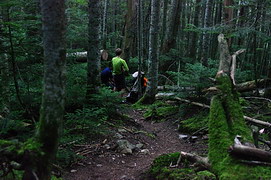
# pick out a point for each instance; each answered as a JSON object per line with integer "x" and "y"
{"x": 190, "y": 99}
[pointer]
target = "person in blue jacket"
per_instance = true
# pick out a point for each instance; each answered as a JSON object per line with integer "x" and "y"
{"x": 107, "y": 77}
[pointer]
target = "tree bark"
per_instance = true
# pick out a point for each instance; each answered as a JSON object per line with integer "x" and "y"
{"x": 129, "y": 45}
{"x": 149, "y": 96}
{"x": 206, "y": 36}
{"x": 172, "y": 27}
{"x": 52, "y": 108}
{"x": 225, "y": 57}
{"x": 194, "y": 39}
{"x": 93, "y": 54}
{"x": 250, "y": 153}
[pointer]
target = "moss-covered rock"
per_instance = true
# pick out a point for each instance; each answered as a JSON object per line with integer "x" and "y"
{"x": 225, "y": 122}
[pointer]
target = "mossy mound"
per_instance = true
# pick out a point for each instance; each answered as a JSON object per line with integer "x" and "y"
{"x": 226, "y": 121}
{"x": 161, "y": 170}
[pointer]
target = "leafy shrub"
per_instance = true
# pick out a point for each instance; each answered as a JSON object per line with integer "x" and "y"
{"x": 194, "y": 75}
{"x": 76, "y": 84}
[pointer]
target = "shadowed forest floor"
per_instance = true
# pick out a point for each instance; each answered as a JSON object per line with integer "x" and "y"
{"x": 105, "y": 163}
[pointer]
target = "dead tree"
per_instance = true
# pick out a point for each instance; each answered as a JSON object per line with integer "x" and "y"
{"x": 225, "y": 122}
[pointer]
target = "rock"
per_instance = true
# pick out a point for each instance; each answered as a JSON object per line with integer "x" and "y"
{"x": 122, "y": 130}
{"x": 73, "y": 170}
{"x": 139, "y": 146}
{"x": 145, "y": 151}
{"x": 99, "y": 165}
{"x": 205, "y": 137}
{"x": 118, "y": 136}
{"x": 126, "y": 151}
{"x": 106, "y": 146}
{"x": 125, "y": 147}
{"x": 183, "y": 136}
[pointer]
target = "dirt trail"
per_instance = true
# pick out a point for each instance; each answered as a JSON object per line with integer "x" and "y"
{"x": 110, "y": 165}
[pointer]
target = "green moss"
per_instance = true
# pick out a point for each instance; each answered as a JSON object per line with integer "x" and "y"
{"x": 205, "y": 175}
{"x": 161, "y": 170}
{"x": 195, "y": 123}
{"x": 163, "y": 161}
{"x": 225, "y": 122}
{"x": 159, "y": 111}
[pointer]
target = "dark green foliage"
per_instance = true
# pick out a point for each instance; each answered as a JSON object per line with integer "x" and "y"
{"x": 89, "y": 123}
{"x": 194, "y": 75}
{"x": 76, "y": 84}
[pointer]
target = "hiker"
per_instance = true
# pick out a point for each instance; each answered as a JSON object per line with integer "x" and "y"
{"x": 120, "y": 69}
{"x": 133, "y": 95}
{"x": 107, "y": 77}
{"x": 144, "y": 80}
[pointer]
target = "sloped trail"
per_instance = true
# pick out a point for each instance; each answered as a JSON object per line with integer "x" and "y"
{"x": 107, "y": 164}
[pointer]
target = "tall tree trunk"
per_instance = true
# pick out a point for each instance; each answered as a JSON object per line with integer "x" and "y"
{"x": 52, "y": 107}
{"x": 172, "y": 27}
{"x": 104, "y": 35}
{"x": 164, "y": 20}
{"x": 149, "y": 96}
{"x": 129, "y": 46}
{"x": 4, "y": 73}
{"x": 194, "y": 38}
{"x": 206, "y": 35}
{"x": 228, "y": 17}
{"x": 140, "y": 43}
{"x": 93, "y": 58}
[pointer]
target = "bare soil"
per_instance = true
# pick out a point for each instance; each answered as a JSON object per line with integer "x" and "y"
{"x": 105, "y": 163}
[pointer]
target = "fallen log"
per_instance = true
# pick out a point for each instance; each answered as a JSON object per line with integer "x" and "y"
{"x": 251, "y": 85}
{"x": 82, "y": 56}
{"x": 249, "y": 153}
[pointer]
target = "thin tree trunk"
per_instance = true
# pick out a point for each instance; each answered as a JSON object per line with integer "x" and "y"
{"x": 151, "y": 91}
{"x": 104, "y": 38}
{"x": 93, "y": 55}
{"x": 194, "y": 38}
{"x": 206, "y": 36}
{"x": 140, "y": 43}
{"x": 164, "y": 22}
{"x": 52, "y": 108}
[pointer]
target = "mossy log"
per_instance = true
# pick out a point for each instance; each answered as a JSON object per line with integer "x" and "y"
{"x": 225, "y": 122}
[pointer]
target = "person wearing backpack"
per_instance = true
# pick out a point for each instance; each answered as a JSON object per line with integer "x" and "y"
{"x": 120, "y": 69}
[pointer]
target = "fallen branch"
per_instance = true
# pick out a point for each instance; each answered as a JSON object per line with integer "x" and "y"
{"x": 193, "y": 158}
{"x": 191, "y": 102}
{"x": 233, "y": 66}
{"x": 251, "y": 85}
{"x": 249, "y": 119}
{"x": 256, "y": 163}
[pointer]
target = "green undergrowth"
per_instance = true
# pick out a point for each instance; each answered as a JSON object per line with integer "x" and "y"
{"x": 93, "y": 122}
{"x": 226, "y": 121}
{"x": 159, "y": 111}
{"x": 161, "y": 169}
{"x": 195, "y": 123}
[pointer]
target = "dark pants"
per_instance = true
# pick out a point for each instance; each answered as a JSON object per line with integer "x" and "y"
{"x": 119, "y": 82}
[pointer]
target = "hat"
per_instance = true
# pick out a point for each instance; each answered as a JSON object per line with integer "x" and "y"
{"x": 136, "y": 74}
